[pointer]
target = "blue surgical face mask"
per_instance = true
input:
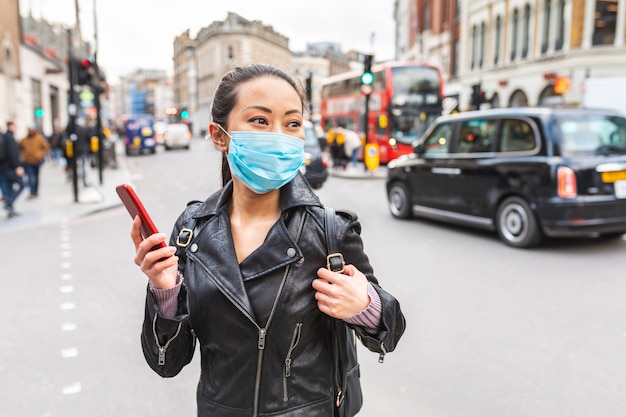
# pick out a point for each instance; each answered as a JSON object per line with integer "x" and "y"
{"x": 264, "y": 161}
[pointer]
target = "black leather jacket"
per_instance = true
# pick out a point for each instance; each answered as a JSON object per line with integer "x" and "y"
{"x": 263, "y": 341}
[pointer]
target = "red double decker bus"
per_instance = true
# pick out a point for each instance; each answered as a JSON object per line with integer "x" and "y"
{"x": 406, "y": 98}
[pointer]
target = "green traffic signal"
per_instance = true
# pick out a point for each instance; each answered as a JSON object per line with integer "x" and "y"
{"x": 184, "y": 114}
{"x": 38, "y": 113}
{"x": 367, "y": 78}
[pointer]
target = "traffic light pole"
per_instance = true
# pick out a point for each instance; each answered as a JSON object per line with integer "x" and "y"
{"x": 70, "y": 144}
{"x": 96, "y": 91}
{"x": 366, "y": 125}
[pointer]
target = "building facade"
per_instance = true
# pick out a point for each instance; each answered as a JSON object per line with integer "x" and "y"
{"x": 517, "y": 52}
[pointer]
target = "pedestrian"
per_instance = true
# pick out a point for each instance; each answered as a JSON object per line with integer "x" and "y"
{"x": 3, "y": 185}
{"x": 33, "y": 150}
{"x": 352, "y": 145}
{"x": 56, "y": 142}
{"x": 249, "y": 281}
{"x": 12, "y": 169}
{"x": 82, "y": 148}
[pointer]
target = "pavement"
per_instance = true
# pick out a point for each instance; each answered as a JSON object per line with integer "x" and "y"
{"x": 56, "y": 201}
{"x": 358, "y": 172}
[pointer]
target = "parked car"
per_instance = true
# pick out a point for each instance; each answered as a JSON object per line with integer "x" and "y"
{"x": 177, "y": 135}
{"x": 316, "y": 161}
{"x": 139, "y": 135}
{"x": 525, "y": 173}
{"x": 159, "y": 128}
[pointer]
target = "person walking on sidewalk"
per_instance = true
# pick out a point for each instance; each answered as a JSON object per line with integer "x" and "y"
{"x": 12, "y": 169}
{"x": 33, "y": 149}
{"x": 3, "y": 184}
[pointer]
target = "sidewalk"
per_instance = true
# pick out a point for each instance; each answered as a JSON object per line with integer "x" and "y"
{"x": 358, "y": 172}
{"x": 55, "y": 202}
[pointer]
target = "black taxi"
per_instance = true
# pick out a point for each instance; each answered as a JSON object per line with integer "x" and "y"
{"x": 525, "y": 173}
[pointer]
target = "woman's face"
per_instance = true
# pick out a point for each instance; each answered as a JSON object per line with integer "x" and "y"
{"x": 267, "y": 104}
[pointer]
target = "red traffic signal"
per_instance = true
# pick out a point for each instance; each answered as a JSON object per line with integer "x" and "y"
{"x": 84, "y": 72}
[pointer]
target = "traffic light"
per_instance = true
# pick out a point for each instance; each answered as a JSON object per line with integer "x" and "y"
{"x": 478, "y": 96}
{"x": 85, "y": 70}
{"x": 184, "y": 114}
{"x": 367, "y": 78}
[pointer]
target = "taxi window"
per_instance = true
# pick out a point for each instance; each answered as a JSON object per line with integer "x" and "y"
{"x": 477, "y": 136}
{"x": 517, "y": 135}
{"x": 438, "y": 142}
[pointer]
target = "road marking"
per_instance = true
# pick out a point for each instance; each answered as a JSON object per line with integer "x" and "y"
{"x": 68, "y": 327}
{"x": 69, "y": 353}
{"x": 68, "y": 306}
{"x": 72, "y": 389}
{"x": 66, "y": 289}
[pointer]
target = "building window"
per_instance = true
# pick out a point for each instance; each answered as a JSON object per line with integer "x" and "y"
{"x": 526, "y": 29}
{"x": 560, "y": 29}
{"x": 474, "y": 46}
{"x": 455, "y": 58}
{"x": 231, "y": 53}
{"x": 498, "y": 45}
{"x": 545, "y": 38}
{"x": 35, "y": 87}
{"x": 514, "y": 34}
{"x": 426, "y": 17}
{"x": 605, "y": 18}
{"x": 518, "y": 99}
{"x": 483, "y": 30}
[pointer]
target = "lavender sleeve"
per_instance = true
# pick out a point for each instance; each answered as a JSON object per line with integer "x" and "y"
{"x": 371, "y": 316}
{"x": 167, "y": 298}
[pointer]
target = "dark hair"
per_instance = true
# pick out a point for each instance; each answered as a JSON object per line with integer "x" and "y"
{"x": 226, "y": 96}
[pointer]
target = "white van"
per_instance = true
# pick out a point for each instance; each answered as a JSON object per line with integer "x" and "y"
{"x": 177, "y": 135}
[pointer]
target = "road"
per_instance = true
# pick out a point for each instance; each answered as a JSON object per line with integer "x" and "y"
{"x": 491, "y": 331}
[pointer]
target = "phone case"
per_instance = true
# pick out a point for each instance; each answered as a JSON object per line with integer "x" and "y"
{"x": 135, "y": 207}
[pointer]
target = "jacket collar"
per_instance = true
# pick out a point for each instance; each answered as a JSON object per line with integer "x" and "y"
{"x": 293, "y": 194}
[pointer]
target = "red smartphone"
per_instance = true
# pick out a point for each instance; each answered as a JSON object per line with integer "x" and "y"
{"x": 135, "y": 207}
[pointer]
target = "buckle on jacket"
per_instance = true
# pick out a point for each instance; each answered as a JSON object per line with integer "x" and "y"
{"x": 184, "y": 237}
{"x": 335, "y": 262}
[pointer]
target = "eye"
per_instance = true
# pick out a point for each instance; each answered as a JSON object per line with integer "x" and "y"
{"x": 259, "y": 120}
{"x": 294, "y": 124}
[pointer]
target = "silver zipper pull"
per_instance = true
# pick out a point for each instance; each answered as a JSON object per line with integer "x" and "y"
{"x": 261, "y": 339}
{"x": 287, "y": 368}
{"x": 162, "y": 356}
{"x": 383, "y": 352}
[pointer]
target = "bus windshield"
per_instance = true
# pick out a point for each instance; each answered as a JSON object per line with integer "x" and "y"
{"x": 415, "y": 102}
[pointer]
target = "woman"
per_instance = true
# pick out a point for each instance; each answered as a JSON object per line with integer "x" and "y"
{"x": 250, "y": 283}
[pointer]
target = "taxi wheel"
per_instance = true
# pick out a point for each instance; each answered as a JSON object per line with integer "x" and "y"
{"x": 516, "y": 224}
{"x": 399, "y": 202}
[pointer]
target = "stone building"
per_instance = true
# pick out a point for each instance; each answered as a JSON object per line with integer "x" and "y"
{"x": 518, "y": 52}
{"x": 219, "y": 47}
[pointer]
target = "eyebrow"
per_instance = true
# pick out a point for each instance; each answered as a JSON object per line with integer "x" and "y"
{"x": 268, "y": 110}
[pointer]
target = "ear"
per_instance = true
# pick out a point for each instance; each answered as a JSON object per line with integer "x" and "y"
{"x": 220, "y": 139}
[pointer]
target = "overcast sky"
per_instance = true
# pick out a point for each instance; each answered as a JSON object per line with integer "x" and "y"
{"x": 139, "y": 33}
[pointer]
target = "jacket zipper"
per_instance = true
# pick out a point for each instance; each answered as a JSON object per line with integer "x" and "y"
{"x": 262, "y": 331}
{"x": 163, "y": 349}
{"x": 294, "y": 342}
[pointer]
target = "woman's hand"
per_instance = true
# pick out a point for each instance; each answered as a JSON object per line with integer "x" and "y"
{"x": 341, "y": 295}
{"x": 160, "y": 265}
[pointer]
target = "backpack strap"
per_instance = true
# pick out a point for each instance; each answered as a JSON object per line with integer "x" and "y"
{"x": 334, "y": 259}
